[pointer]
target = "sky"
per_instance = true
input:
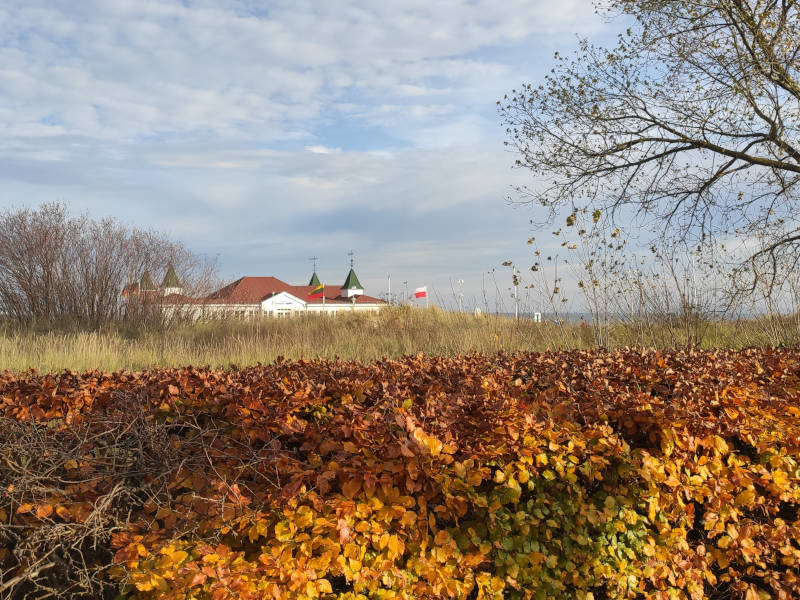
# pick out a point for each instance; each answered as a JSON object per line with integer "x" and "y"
{"x": 265, "y": 133}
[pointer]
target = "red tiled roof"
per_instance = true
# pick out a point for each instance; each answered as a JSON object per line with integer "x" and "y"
{"x": 252, "y": 290}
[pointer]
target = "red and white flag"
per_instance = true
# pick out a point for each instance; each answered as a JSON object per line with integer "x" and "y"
{"x": 421, "y": 292}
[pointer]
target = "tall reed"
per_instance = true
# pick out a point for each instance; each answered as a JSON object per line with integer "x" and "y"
{"x": 393, "y": 332}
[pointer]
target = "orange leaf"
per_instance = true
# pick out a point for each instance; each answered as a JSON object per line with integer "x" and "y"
{"x": 350, "y": 488}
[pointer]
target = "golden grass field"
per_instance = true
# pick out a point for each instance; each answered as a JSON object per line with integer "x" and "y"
{"x": 393, "y": 332}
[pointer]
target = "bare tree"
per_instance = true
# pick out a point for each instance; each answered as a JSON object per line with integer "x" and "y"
{"x": 692, "y": 120}
{"x": 58, "y": 269}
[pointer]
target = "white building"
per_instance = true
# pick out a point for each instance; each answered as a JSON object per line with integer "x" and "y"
{"x": 249, "y": 297}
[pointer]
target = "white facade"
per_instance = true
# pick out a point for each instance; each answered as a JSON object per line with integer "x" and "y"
{"x": 282, "y": 305}
{"x": 285, "y": 304}
{"x": 279, "y": 305}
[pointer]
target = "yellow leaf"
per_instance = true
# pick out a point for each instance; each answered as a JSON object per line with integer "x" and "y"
{"x": 474, "y": 478}
{"x": 324, "y": 586}
{"x": 433, "y": 445}
{"x": 496, "y": 584}
{"x": 283, "y": 532}
{"x": 745, "y": 497}
{"x": 732, "y": 531}
{"x": 158, "y": 582}
{"x": 71, "y": 464}
{"x": 351, "y": 551}
{"x": 720, "y": 445}
{"x": 394, "y": 546}
{"x": 780, "y": 478}
{"x": 651, "y": 510}
{"x": 731, "y": 412}
{"x": 303, "y": 517}
{"x": 142, "y": 582}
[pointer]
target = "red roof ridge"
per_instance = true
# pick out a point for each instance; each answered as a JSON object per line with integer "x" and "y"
{"x": 254, "y": 289}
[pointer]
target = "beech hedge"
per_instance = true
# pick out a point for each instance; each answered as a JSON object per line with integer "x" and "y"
{"x": 584, "y": 474}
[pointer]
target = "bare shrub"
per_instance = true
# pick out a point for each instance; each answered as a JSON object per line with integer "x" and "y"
{"x": 56, "y": 269}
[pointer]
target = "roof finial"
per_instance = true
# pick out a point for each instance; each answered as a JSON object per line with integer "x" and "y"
{"x": 350, "y": 254}
{"x": 314, "y": 279}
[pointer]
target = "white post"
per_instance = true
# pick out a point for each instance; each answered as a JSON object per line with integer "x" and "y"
{"x": 389, "y": 277}
{"x": 516, "y": 300}
{"x": 516, "y": 303}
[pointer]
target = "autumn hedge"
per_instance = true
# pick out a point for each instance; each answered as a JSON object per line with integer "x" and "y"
{"x": 560, "y": 475}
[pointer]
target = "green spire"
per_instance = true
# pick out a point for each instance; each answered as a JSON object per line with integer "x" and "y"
{"x": 171, "y": 278}
{"x": 352, "y": 282}
{"x": 314, "y": 280}
{"x": 146, "y": 282}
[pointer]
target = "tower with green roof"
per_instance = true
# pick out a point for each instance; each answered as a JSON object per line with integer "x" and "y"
{"x": 352, "y": 286}
{"x": 146, "y": 283}
{"x": 314, "y": 280}
{"x": 171, "y": 283}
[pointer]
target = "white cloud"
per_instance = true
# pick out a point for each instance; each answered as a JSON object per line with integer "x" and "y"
{"x": 323, "y": 150}
{"x": 245, "y": 127}
{"x": 121, "y": 69}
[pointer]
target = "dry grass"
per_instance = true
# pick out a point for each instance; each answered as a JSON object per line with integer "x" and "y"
{"x": 391, "y": 333}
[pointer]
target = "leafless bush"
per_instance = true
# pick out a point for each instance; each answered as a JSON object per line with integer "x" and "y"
{"x": 68, "y": 488}
{"x": 56, "y": 269}
{"x": 83, "y": 482}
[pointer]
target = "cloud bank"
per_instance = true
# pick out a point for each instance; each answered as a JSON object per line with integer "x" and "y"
{"x": 266, "y": 132}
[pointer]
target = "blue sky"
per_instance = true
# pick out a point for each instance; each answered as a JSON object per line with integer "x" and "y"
{"x": 267, "y": 132}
